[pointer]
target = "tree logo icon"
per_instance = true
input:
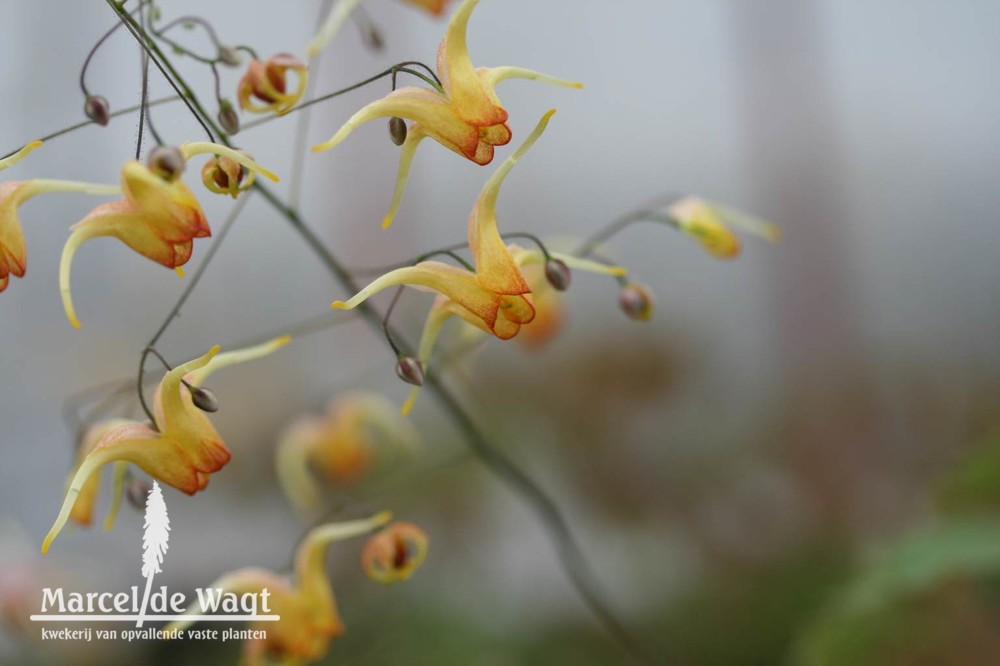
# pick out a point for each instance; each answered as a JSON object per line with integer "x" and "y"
{"x": 155, "y": 538}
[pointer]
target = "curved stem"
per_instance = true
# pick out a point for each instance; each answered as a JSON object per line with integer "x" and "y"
{"x": 336, "y": 93}
{"x": 175, "y": 310}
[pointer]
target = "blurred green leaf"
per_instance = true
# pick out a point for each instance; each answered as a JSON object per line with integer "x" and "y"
{"x": 975, "y": 482}
{"x": 881, "y": 610}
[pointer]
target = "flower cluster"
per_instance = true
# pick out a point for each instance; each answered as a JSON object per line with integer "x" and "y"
{"x": 505, "y": 290}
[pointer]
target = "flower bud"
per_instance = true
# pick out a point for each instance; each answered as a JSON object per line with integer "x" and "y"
{"x": 636, "y": 300}
{"x": 166, "y": 162}
{"x": 410, "y": 370}
{"x": 136, "y": 493}
{"x": 397, "y": 130}
{"x": 230, "y": 56}
{"x": 204, "y": 399}
{"x": 395, "y": 553}
{"x": 558, "y": 274}
{"x": 264, "y": 87}
{"x": 228, "y": 117}
{"x": 96, "y": 108}
{"x": 223, "y": 175}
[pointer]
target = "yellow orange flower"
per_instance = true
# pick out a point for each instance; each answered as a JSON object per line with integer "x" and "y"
{"x": 465, "y": 116}
{"x": 159, "y": 219}
{"x": 13, "y": 253}
{"x": 183, "y": 449}
{"x": 358, "y": 431}
{"x": 445, "y": 309}
{"x": 395, "y": 553}
{"x": 340, "y": 12}
{"x": 267, "y": 82}
{"x": 705, "y": 221}
{"x": 228, "y": 171}
{"x": 493, "y": 297}
{"x": 304, "y": 601}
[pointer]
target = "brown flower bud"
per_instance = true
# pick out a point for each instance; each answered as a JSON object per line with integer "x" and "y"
{"x": 397, "y": 130}
{"x": 204, "y": 399}
{"x": 166, "y": 162}
{"x": 636, "y": 300}
{"x": 96, "y": 108}
{"x": 228, "y": 117}
{"x": 558, "y": 274}
{"x": 410, "y": 370}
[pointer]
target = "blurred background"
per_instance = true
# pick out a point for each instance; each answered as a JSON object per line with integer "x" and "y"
{"x": 796, "y": 461}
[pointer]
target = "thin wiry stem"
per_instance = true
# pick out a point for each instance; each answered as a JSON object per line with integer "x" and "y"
{"x": 185, "y": 94}
{"x": 80, "y": 125}
{"x": 336, "y": 93}
{"x": 175, "y": 310}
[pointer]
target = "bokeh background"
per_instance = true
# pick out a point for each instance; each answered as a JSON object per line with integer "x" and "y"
{"x": 795, "y": 461}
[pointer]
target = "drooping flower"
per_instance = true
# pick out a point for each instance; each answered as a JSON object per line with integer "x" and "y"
{"x": 465, "y": 116}
{"x": 341, "y": 11}
{"x": 159, "y": 217}
{"x": 228, "y": 171}
{"x": 304, "y": 601}
{"x": 264, "y": 87}
{"x": 444, "y": 309}
{"x": 13, "y": 253}
{"x": 359, "y": 431}
{"x": 494, "y": 297}
{"x": 394, "y": 553}
{"x": 705, "y": 221}
{"x": 182, "y": 449}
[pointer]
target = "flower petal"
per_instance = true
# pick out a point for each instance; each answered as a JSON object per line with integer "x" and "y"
{"x": 496, "y": 269}
{"x": 197, "y": 377}
{"x": 473, "y": 101}
{"x": 458, "y": 284}
{"x": 189, "y": 150}
{"x": 135, "y": 443}
{"x": 491, "y": 76}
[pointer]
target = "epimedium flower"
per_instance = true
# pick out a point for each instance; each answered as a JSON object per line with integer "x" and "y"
{"x": 159, "y": 217}
{"x": 305, "y": 600}
{"x": 264, "y": 87}
{"x": 339, "y": 13}
{"x": 13, "y": 252}
{"x": 181, "y": 449}
{"x": 395, "y": 553}
{"x": 706, "y": 222}
{"x": 444, "y": 309}
{"x": 359, "y": 431}
{"x": 494, "y": 296}
{"x": 465, "y": 115}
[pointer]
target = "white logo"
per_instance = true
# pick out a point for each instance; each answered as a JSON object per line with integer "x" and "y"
{"x": 60, "y": 606}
